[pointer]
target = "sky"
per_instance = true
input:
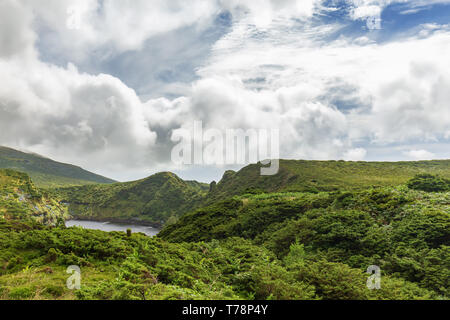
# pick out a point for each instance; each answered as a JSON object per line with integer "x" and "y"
{"x": 104, "y": 84}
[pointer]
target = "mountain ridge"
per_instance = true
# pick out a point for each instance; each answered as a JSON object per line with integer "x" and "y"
{"x": 164, "y": 197}
{"x": 316, "y": 176}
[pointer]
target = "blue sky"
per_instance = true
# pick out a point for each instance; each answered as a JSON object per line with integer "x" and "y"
{"x": 105, "y": 84}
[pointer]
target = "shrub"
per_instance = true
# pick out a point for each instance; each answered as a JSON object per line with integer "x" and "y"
{"x": 21, "y": 293}
{"x": 54, "y": 290}
{"x": 429, "y": 183}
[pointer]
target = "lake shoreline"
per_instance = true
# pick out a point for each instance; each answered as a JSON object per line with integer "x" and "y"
{"x": 118, "y": 221}
{"x": 109, "y": 226}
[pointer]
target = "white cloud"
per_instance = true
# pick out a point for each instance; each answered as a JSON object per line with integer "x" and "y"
{"x": 262, "y": 13}
{"x": 114, "y": 27}
{"x": 398, "y": 88}
{"x": 357, "y": 154}
{"x": 66, "y": 114}
{"x": 420, "y": 154}
{"x": 63, "y": 113}
{"x": 15, "y": 33}
{"x": 123, "y": 25}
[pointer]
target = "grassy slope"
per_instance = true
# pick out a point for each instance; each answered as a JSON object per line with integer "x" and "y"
{"x": 46, "y": 172}
{"x": 33, "y": 260}
{"x": 20, "y": 199}
{"x": 251, "y": 215}
{"x": 155, "y": 199}
{"x": 403, "y": 231}
{"x": 313, "y": 176}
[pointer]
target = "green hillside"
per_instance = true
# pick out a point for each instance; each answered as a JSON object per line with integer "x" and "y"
{"x": 315, "y": 176}
{"x": 45, "y": 172}
{"x": 256, "y": 245}
{"x": 21, "y": 200}
{"x": 165, "y": 197}
{"x": 405, "y": 232}
{"x": 160, "y": 198}
{"x": 117, "y": 266}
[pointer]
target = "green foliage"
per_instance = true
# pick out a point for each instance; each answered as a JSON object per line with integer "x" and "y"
{"x": 152, "y": 200}
{"x": 21, "y": 293}
{"x": 164, "y": 195}
{"x": 21, "y": 200}
{"x": 403, "y": 231}
{"x": 296, "y": 256}
{"x": 301, "y": 235}
{"x": 245, "y": 216}
{"x": 336, "y": 281}
{"x": 317, "y": 176}
{"x": 46, "y": 172}
{"x": 429, "y": 183}
{"x": 139, "y": 267}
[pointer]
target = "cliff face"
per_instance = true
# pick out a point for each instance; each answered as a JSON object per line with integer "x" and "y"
{"x": 20, "y": 199}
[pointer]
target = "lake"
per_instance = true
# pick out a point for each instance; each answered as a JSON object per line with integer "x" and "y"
{"x": 110, "y": 226}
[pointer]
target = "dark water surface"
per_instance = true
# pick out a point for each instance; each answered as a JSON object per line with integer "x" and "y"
{"x": 110, "y": 226}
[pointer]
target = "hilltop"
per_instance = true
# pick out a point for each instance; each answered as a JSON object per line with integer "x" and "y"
{"x": 157, "y": 199}
{"x": 317, "y": 176}
{"x": 45, "y": 172}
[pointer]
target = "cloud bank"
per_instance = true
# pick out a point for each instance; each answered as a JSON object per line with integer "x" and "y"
{"x": 332, "y": 94}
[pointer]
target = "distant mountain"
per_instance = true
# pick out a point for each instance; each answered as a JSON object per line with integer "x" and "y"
{"x": 315, "y": 176}
{"x": 21, "y": 200}
{"x": 158, "y": 199}
{"x": 45, "y": 172}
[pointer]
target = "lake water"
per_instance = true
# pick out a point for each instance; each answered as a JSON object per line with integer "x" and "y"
{"x": 109, "y": 226}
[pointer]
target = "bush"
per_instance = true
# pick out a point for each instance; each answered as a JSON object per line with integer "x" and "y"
{"x": 21, "y": 293}
{"x": 429, "y": 183}
{"x": 54, "y": 290}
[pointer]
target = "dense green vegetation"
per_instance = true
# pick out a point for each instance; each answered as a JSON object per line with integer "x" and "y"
{"x": 403, "y": 231}
{"x": 429, "y": 183}
{"x": 165, "y": 197}
{"x": 45, "y": 172}
{"x": 277, "y": 239}
{"x": 158, "y": 199}
{"x": 34, "y": 259}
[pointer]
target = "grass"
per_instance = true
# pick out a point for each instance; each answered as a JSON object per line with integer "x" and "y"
{"x": 316, "y": 176}
{"x": 48, "y": 282}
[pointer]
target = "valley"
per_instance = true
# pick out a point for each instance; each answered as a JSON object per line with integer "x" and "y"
{"x": 309, "y": 233}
